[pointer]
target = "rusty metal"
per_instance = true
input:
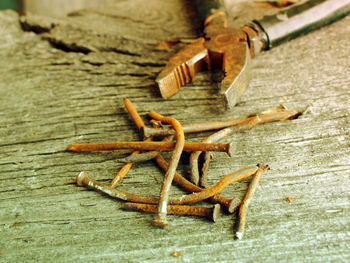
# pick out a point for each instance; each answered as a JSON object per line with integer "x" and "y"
{"x": 218, "y": 187}
{"x": 230, "y": 204}
{"x": 279, "y": 113}
{"x": 189, "y": 128}
{"x": 212, "y": 213}
{"x": 194, "y": 173}
{"x": 141, "y": 157}
{"x": 222, "y": 48}
{"x": 126, "y": 167}
{"x": 84, "y": 180}
{"x": 198, "y": 194}
{"x": 233, "y": 205}
{"x": 231, "y": 49}
{"x": 275, "y": 114}
{"x": 160, "y": 219}
{"x": 121, "y": 174}
{"x": 150, "y": 145}
{"x": 242, "y": 214}
{"x": 146, "y": 156}
{"x": 204, "y": 170}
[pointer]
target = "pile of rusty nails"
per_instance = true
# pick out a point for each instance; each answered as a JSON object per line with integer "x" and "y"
{"x": 165, "y": 205}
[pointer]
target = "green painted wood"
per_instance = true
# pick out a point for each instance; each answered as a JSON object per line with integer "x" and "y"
{"x": 50, "y": 97}
{"x": 8, "y": 4}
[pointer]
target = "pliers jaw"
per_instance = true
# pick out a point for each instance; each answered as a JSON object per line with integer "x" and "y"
{"x": 222, "y": 48}
{"x": 237, "y": 75}
{"x": 181, "y": 68}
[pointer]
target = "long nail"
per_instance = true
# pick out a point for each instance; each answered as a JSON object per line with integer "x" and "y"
{"x": 84, "y": 180}
{"x": 153, "y": 146}
{"x": 160, "y": 219}
{"x": 121, "y": 174}
{"x": 194, "y": 171}
{"x": 230, "y": 204}
{"x": 143, "y": 157}
{"x": 126, "y": 167}
{"x": 133, "y": 113}
{"x": 218, "y": 187}
{"x": 212, "y": 213}
{"x": 275, "y": 114}
{"x": 138, "y": 158}
{"x": 200, "y": 193}
{"x": 214, "y": 138}
{"x": 189, "y": 128}
{"x": 242, "y": 214}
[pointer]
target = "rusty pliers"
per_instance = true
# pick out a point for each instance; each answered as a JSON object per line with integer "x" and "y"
{"x": 231, "y": 49}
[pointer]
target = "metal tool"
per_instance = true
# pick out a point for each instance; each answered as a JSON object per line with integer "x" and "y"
{"x": 231, "y": 49}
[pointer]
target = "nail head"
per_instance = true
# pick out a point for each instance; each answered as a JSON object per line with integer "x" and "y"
{"x": 234, "y": 204}
{"x": 216, "y": 212}
{"x": 81, "y": 177}
{"x": 160, "y": 221}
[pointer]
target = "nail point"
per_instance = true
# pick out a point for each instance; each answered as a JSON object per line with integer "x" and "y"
{"x": 71, "y": 147}
{"x": 239, "y": 235}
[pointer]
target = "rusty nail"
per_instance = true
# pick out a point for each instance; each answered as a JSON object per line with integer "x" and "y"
{"x": 275, "y": 114}
{"x": 141, "y": 157}
{"x": 133, "y": 113}
{"x": 160, "y": 219}
{"x": 233, "y": 205}
{"x": 247, "y": 200}
{"x": 194, "y": 173}
{"x": 207, "y": 156}
{"x": 219, "y": 186}
{"x": 84, "y": 180}
{"x": 229, "y": 203}
{"x": 150, "y": 145}
{"x": 212, "y": 213}
{"x": 126, "y": 167}
{"x": 121, "y": 174}
{"x": 158, "y": 131}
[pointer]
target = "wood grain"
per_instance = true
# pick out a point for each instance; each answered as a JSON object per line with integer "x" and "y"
{"x": 62, "y": 82}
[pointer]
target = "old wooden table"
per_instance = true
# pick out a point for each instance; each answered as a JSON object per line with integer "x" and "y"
{"x": 63, "y": 80}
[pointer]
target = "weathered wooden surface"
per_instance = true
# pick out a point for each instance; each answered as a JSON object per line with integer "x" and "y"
{"x": 57, "y": 8}
{"x": 66, "y": 85}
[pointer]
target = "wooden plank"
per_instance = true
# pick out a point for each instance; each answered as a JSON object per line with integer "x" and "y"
{"x": 66, "y": 84}
{"x": 56, "y": 8}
